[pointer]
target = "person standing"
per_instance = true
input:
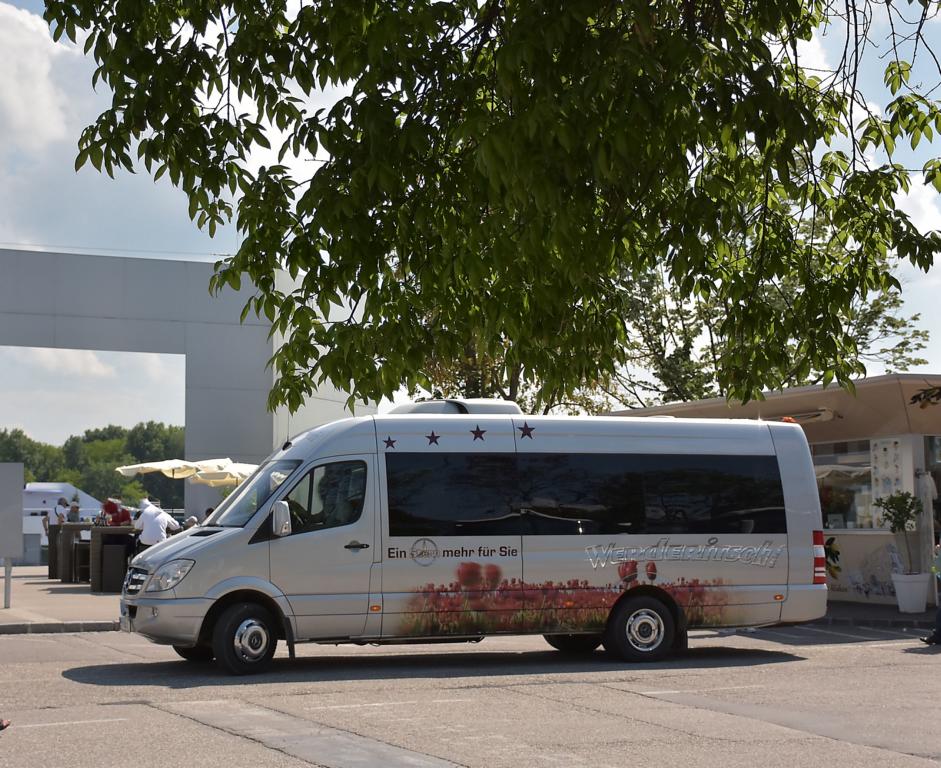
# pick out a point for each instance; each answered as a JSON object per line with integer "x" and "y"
{"x": 51, "y": 523}
{"x": 115, "y": 513}
{"x": 152, "y": 524}
{"x": 935, "y": 637}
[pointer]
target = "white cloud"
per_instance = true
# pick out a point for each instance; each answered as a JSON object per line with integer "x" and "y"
{"x": 33, "y": 105}
{"x": 69, "y": 363}
{"x": 41, "y": 393}
{"x": 921, "y": 204}
{"x": 812, "y": 55}
{"x": 46, "y": 99}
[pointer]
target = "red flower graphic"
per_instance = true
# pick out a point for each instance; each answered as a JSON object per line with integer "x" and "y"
{"x": 468, "y": 575}
{"x": 651, "y": 570}
{"x": 492, "y": 575}
{"x": 628, "y": 571}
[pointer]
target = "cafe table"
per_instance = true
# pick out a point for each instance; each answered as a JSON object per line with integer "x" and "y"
{"x": 103, "y": 538}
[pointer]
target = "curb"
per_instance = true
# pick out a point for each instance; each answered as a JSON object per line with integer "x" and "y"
{"x": 57, "y": 627}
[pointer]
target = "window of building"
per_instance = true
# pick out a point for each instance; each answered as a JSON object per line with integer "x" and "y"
{"x": 844, "y": 482}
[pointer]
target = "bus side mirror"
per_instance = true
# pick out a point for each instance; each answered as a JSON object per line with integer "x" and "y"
{"x": 280, "y": 519}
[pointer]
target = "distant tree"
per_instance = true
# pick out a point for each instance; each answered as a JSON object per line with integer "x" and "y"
{"x": 154, "y": 441}
{"x": 111, "y": 432}
{"x": 41, "y": 461}
{"x": 73, "y": 452}
{"x": 89, "y": 461}
{"x": 98, "y": 473}
{"x": 674, "y": 344}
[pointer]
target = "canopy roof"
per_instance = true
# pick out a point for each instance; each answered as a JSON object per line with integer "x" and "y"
{"x": 882, "y": 406}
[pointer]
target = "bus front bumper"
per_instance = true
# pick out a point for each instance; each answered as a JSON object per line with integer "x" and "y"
{"x": 166, "y": 621}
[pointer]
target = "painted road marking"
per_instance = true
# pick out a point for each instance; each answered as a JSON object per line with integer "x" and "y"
{"x": 69, "y": 722}
{"x": 696, "y": 690}
{"x": 775, "y": 631}
{"x": 872, "y": 640}
{"x": 305, "y": 739}
{"x": 899, "y": 632}
{"x": 840, "y": 634}
{"x": 387, "y": 704}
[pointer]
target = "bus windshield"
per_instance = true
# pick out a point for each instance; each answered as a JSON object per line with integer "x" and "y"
{"x": 245, "y": 500}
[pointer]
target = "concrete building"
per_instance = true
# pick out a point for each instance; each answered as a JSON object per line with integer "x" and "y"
{"x": 109, "y": 303}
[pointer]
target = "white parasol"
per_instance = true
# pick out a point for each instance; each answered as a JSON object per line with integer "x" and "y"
{"x": 176, "y": 468}
{"x": 233, "y": 474}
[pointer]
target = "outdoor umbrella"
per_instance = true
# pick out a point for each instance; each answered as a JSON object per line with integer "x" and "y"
{"x": 233, "y": 474}
{"x": 176, "y": 468}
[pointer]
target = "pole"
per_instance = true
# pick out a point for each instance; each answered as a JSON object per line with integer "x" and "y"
{"x": 7, "y": 579}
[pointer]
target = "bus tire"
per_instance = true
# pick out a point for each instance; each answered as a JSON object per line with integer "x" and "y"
{"x": 244, "y": 639}
{"x": 640, "y": 629}
{"x": 681, "y": 641}
{"x": 574, "y": 644}
{"x": 195, "y": 653}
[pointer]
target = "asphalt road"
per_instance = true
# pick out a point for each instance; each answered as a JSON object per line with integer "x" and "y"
{"x": 796, "y": 696}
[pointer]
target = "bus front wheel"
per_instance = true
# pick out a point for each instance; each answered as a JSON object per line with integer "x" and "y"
{"x": 244, "y": 639}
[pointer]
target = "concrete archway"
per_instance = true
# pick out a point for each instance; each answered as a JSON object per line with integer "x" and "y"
{"x": 121, "y": 304}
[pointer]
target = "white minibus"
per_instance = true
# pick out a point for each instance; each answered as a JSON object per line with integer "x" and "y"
{"x": 454, "y": 520}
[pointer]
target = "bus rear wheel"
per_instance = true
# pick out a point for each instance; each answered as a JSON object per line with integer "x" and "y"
{"x": 574, "y": 644}
{"x": 640, "y": 629}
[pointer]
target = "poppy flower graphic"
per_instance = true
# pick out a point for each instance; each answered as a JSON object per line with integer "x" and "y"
{"x": 628, "y": 572}
{"x": 492, "y": 575}
{"x": 469, "y": 575}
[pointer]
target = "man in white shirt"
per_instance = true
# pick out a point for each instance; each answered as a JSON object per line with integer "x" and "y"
{"x": 57, "y": 515}
{"x": 152, "y": 524}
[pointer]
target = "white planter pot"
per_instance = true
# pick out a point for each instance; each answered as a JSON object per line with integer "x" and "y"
{"x": 911, "y": 591}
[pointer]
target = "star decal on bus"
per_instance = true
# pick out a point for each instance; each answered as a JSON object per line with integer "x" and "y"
{"x": 390, "y": 443}
{"x": 526, "y": 430}
{"x": 433, "y": 438}
{"x": 477, "y": 432}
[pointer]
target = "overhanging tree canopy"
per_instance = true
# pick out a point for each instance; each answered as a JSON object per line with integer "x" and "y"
{"x": 499, "y": 170}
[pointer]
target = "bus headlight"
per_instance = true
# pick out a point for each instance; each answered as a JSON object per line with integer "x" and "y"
{"x": 168, "y": 575}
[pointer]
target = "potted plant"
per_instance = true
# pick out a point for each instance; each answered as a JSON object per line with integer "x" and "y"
{"x": 901, "y": 510}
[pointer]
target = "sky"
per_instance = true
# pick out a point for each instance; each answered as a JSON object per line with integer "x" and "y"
{"x": 46, "y": 100}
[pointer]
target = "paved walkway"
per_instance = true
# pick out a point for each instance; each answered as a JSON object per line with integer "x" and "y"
{"x": 41, "y": 605}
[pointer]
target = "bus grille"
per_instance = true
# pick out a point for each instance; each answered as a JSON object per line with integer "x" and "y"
{"x": 134, "y": 580}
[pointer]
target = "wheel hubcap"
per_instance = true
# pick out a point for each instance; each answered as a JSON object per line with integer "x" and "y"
{"x": 251, "y": 640}
{"x": 644, "y": 630}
